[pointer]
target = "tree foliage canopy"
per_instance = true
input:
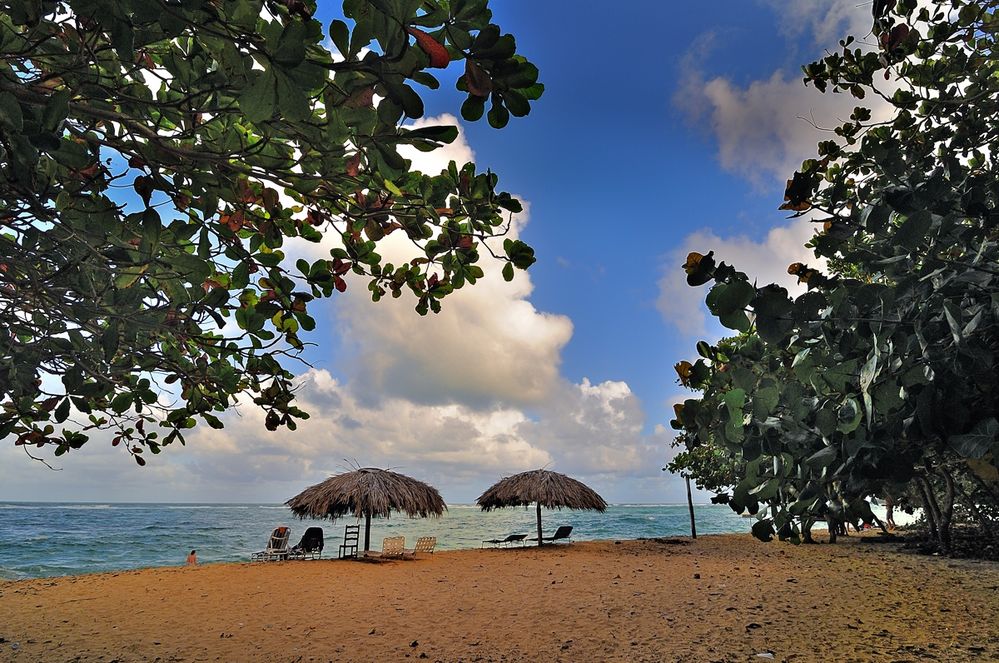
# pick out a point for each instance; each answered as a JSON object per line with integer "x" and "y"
{"x": 881, "y": 377}
{"x": 156, "y": 155}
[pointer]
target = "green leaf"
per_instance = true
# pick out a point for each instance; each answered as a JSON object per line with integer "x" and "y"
{"x": 10, "y": 112}
{"x": 737, "y": 320}
{"x": 826, "y": 421}
{"x": 978, "y": 442}
{"x": 440, "y": 134}
{"x": 822, "y": 458}
{"x": 849, "y": 416}
{"x": 498, "y": 115}
{"x": 340, "y": 36}
{"x": 258, "y": 100}
{"x": 290, "y": 51}
{"x": 765, "y": 401}
{"x": 763, "y": 530}
{"x": 473, "y": 108}
{"x": 729, "y": 298}
{"x": 913, "y": 231}
{"x": 62, "y": 412}
{"x": 292, "y": 101}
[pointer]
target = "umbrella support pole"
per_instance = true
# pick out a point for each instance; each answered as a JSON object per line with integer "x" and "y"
{"x": 367, "y": 532}
{"x": 539, "y": 524}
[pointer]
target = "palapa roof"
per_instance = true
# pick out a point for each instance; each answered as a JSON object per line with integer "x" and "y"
{"x": 549, "y": 489}
{"x": 367, "y": 491}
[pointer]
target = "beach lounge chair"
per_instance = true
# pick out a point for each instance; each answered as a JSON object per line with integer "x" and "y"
{"x": 311, "y": 545}
{"x": 562, "y": 532}
{"x": 351, "y": 534}
{"x": 393, "y": 547}
{"x": 508, "y": 541}
{"x": 424, "y": 544}
{"x": 277, "y": 546}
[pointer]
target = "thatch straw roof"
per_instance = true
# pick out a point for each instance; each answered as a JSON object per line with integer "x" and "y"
{"x": 367, "y": 491}
{"x": 549, "y": 489}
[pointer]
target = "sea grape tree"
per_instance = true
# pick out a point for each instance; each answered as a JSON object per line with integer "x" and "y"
{"x": 881, "y": 377}
{"x": 157, "y": 155}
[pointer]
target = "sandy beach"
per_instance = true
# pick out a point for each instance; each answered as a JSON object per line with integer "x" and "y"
{"x": 720, "y": 598}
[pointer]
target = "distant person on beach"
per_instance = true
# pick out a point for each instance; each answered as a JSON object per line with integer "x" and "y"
{"x": 192, "y": 559}
{"x": 889, "y": 509}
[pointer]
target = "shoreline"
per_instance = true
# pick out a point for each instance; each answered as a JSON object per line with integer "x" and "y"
{"x": 722, "y": 597}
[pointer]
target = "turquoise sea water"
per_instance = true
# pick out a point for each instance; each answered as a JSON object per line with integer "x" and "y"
{"x": 64, "y": 539}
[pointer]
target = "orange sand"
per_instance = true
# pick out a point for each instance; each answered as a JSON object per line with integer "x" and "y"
{"x": 721, "y": 598}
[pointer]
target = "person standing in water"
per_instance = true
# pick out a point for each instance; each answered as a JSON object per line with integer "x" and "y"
{"x": 192, "y": 559}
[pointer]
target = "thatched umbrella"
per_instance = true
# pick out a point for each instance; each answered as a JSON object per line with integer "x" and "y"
{"x": 544, "y": 488}
{"x": 367, "y": 492}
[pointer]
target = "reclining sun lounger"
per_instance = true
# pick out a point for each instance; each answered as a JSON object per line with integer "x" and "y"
{"x": 562, "y": 532}
{"x": 310, "y": 546}
{"x": 424, "y": 544}
{"x": 513, "y": 538}
{"x": 277, "y": 546}
{"x": 393, "y": 547}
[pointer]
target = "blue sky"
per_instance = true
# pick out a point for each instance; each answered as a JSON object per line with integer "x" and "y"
{"x": 664, "y": 128}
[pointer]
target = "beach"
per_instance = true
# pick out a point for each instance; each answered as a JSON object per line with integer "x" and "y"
{"x": 719, "y": 598}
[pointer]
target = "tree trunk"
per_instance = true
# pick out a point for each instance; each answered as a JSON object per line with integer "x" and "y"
{"x": 983, "y": 521}
{"x": 929, "y": 506}
{"x": 947, "y": 512}
{"x": 806, "y": 530}
{"x": 690, "y": 506}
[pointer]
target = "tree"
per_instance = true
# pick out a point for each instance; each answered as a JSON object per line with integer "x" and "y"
{"x": 881, "y": 377}
{"x": 236, "y": 129}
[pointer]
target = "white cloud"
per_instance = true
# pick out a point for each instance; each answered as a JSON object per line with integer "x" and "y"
{"x": 592, "y": 431}
{"x": 764, "y": 261}
{"x": 458, "y": 399}
{"x": 827, "y": 21}
{"x": 766, "y": 128}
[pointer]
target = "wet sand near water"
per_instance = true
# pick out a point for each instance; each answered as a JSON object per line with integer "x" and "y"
{"x": 719, "y": 598}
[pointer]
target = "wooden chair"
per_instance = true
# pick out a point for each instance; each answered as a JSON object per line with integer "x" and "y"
{"x": 351, "y": 535}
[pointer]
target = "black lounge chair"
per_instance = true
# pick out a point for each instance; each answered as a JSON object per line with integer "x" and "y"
{"x": 563, "y": 532}
{"x": 310, "y": 546}
{"x": 513, "y": 538}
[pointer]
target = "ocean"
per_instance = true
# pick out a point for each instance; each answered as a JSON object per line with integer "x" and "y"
{"x": 54, "y": 539}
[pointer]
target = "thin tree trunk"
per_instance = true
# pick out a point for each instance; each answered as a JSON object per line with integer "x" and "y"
{"x": 947, "y": 513}
{"x": 926, "y": 493}
{"x": 690, "y": 507}
{"x": 983, "y": 521}
{"x": 367, "y": 532}
{"x": 806, "y": 530}
{"x": 983, "y": 486}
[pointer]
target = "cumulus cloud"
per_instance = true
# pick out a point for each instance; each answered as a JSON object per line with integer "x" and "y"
{"x": 458, "y": 399}
{"x": 764, "y": 261}
{"x": 489, "y": 344}
{"x": 593, "y": 431}
{"x": 826, "y": 21}
{"x": 766, "y": 128}
{"x": 763, "y": 129}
